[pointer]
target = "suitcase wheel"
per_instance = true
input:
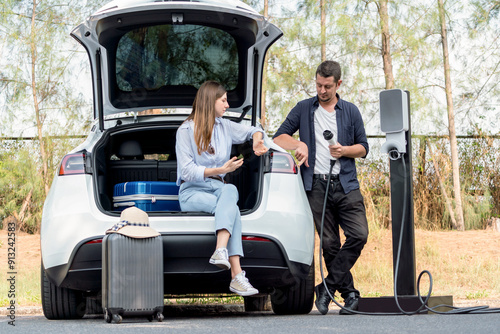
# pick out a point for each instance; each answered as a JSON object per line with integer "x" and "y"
{"x": 107, "y": 317}
{"x": 117, "y": 318}
{"x": 156, "y": 316}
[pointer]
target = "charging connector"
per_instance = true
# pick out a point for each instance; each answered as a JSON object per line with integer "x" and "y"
{"x": 394, "y": 154}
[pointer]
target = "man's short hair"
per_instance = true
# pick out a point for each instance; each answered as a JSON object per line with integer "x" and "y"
{"x": 329, "y": 68}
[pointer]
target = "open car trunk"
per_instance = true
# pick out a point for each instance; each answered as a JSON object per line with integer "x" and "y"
{"x": 147, "y": 153}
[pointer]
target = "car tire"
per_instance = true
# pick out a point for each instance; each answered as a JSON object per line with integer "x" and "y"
{"x": 60, "y": 303}
{"x": 253, "y": 304}
{"x": 94, "y": 306}
{"x": 297, "y": 298}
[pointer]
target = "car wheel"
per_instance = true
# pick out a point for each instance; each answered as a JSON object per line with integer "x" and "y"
{"x": 61, "y": 303}
{"x": 255, "y": 303}
{"x": 297, "y": 298}
{"x": 94, "y": 306}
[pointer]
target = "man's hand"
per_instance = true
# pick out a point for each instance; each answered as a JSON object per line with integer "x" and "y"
{"x": 289, "y": 143}
{"x": 354, "y": 151}
{"x": 302, "y": 154}
{"x": 336, "y": 151}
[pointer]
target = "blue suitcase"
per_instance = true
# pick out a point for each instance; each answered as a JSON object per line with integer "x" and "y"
{"x": 147, "y": 196}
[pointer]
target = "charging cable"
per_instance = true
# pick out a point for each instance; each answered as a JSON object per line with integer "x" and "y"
{"x": 454, "y": 310}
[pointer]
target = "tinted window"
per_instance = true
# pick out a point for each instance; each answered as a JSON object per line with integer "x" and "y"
{"x": 175, "y": 55}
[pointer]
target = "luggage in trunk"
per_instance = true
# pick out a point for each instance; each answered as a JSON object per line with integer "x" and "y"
{"x": 132, "y": 277}
{"x": 147, "y": 196}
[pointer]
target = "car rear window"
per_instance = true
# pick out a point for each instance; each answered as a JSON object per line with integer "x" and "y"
{"x": 175, "y": 55}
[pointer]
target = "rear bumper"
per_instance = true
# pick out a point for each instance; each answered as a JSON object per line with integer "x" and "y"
{"x": 186, "y": 267}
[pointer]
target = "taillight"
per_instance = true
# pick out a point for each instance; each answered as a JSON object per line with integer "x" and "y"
{"x": 73, "y": 164}
{"x": 282, "y": 163}
{"x": 95, "y": 241}
{"x": 252, "y": 238}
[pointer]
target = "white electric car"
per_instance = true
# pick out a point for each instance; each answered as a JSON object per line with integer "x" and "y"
{"x": 148, "y": 58}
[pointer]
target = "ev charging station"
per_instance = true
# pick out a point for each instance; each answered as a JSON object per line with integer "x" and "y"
{"x": 395, "y": 123}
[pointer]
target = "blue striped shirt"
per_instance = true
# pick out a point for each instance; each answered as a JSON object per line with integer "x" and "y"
{"x": 191, "y": 165}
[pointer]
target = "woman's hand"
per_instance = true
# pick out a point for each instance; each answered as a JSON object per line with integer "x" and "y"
{"x": 259, "y": 148}
{"x": 232, "y": 164}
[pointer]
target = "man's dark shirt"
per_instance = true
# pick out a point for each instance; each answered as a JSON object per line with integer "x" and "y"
{"x": 350, "y": 131}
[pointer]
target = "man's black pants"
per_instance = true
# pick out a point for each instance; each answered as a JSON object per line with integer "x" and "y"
{"x": 348, "y": 212}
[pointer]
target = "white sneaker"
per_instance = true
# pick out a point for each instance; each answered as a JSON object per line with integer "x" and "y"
{"x": 242, "y": 286}
{"x": 220, "y": 259}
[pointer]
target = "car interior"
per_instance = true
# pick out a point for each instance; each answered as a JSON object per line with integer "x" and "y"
{"x": 148, "y": 154}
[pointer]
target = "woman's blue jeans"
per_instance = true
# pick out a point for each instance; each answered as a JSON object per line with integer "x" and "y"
{"x": 218, "y": 198}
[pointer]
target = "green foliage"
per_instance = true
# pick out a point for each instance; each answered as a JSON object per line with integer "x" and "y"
{"x": 20, "y": 181}
{"x": 373, "y": 175}
{"x": 39, "y": 67}
{"x": 50, "y": 57}
{"x": 477, "y": 294}
{"x": 477, "y": 209}
{"x": 208, "y": 300}
{"x": 479, "y": 173}
{"x": 484, "y": 12}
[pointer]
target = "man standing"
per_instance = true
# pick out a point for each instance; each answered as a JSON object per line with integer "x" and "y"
{"x": 345, "y": 206}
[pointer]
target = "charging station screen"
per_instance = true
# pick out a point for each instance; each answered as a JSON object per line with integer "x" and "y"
{"x": 393, "y": 111}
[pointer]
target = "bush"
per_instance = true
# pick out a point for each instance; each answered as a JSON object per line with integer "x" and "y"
{"x": 479, "y": 173}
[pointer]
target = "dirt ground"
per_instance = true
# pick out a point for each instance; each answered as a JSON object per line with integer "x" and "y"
{"x": 27, "y": 250}
{"x": 469, "y": 244}
{"x": 452, "y": 257}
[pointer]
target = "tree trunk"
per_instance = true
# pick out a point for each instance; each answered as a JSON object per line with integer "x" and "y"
{"x": 24, "y": 213}
{"x": 386, "y": 44}
{"x": 421, "y": 165}
{"x": 36, "y": 105}
{"x": 451, "y": 121}
{"x": 322, "y": 6}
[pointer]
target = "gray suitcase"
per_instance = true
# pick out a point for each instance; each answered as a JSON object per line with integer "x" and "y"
{"x": 132, "y": 277}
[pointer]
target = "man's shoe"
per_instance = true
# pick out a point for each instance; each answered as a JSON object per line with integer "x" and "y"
{"x": 220, "y": 259}
{"x": 322, "y": 299}
{"x": 350, "y": 304}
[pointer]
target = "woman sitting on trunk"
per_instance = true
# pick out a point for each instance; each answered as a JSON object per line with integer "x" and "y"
{"x": 203, "y": 148}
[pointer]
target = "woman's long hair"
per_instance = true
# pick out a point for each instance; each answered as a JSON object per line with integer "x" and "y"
{"x": 203, "y": 113}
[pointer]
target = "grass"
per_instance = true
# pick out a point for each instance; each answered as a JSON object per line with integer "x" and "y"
{"x": 208, "y": 300}
{"x": 26, "y": 269}
{"x": 457, "y": 268}
{"x": 477, "y": 295}
{"x": 27, "y": 287}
